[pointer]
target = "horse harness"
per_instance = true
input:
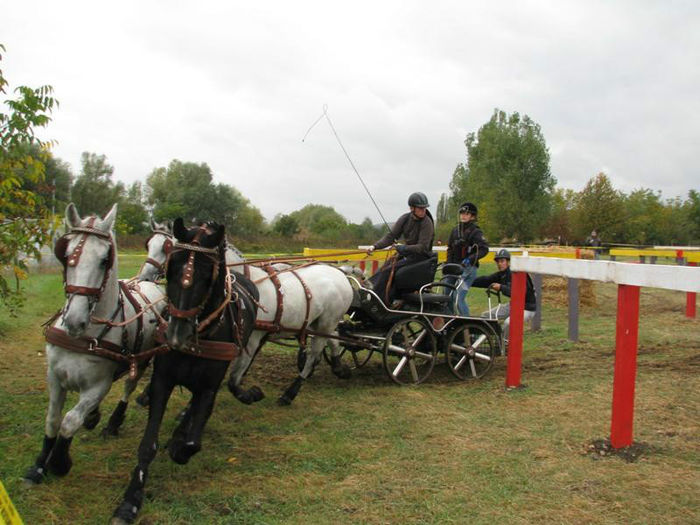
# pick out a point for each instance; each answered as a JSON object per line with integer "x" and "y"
{"x": 98, "y": 345}
{"x": 276, "y": 326}
{"x": 167, "y": 247}
{"x": 207, "y": 348}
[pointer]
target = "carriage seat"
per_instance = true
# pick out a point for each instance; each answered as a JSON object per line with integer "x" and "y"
{"x": 427, "y": 298}
{"x": 412, "y": 276}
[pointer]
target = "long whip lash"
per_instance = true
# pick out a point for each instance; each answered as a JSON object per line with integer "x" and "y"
{"x": 340, "y": 143}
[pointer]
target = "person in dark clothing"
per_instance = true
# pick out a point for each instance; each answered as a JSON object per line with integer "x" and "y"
{"x": 418, "y": 231}
{"x": 594, "y": 242}
{"x": 501, "y": 282}
{"x": 466, "y": 246}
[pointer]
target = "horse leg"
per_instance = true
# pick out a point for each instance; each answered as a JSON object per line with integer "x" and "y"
{"x": 127, "y": 510}
{"x": 201, "y": 408}
{"x": 184, "y": 419}
{"x": 312, "y": 359}
{"x": 119, "y": 413}
{"x": 240, "y": 367}
{"x": 57, "y": 397}
{"x": 60, "y": 462}
{"x": 340, "y": 370}
{"x": 144, "y": 397}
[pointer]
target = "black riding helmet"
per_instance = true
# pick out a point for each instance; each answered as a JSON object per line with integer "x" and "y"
{"x": 502, "y": 254}
{"x": 418, "y": 200}
{"x": 468, "y": 207}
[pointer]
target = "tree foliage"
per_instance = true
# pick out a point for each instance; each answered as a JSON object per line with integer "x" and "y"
{"x": 25, "y": 225}
{"x": 599, "y": 206}
{"x": 507, "y": 175}
{"x": 186, "y": 189}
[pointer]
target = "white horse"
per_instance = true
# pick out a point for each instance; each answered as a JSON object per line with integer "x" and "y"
{"x": 102, "y": 325}
{"x": 330, "y": 295}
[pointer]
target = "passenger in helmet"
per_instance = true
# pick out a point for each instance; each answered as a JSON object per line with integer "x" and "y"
{"x": 418, "y": 231}
{"x": 466, "y": 246}
{"x": 501, "y": 282}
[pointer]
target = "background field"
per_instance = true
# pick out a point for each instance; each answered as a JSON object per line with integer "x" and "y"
{"x": 367, "y": 451}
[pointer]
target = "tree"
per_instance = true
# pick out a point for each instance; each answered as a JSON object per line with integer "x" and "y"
{"x": 644, "y": 216}
{"x": 94, "y": 191}
{"x": 25, "y": 225}
{"x": 320, "y": 220}
{"x": 286, "y": 226}
{"x": 559, "y": 224}
{"x": 507, "y": 175}
{"x": 186, "y": 189}
{"x": 133, "y": 216}
{"x": 599, "y": 207}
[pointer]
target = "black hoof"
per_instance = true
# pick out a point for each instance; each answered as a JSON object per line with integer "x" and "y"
{"x": 342, "y": 372}
{"x": 109, "y": 432}
{"x": 34, "y": 475}
{"x": 143, "y": 399}
{"x": 284, "y": 400}
{"x": 60, "y": 467}
{"x": 92, "y": 419}
{"x": 256, "y": 394}
{"x": 125, "y": 513}
{"x": 181, "y": 452}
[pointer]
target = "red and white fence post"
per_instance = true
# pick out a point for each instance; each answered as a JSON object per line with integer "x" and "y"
{"x": 627, "y": 330}
{"x": 690, "y": 300}
{"x": 515, "y": 342}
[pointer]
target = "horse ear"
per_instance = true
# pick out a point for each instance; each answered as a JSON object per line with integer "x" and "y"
{"x": 179, "y": 230}
{"x": 109, "y": 219}
{"x": 219, "y": 235}
{"x": 73, "y": 219}
{"x": 153, "y": 224}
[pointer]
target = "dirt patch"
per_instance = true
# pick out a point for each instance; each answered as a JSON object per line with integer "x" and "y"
{"x": 602, "y": 448}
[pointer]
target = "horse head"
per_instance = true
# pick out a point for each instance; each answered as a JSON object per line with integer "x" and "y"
{"x": 158, "y": 245}
{"x": 196, "y": 272}
{"x": 87, "y": 252}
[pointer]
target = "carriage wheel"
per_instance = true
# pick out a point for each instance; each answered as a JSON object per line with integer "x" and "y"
{"x": 410, "y": 351}
{"x": 327, "y": 354}
{"x": 470, "y": 351}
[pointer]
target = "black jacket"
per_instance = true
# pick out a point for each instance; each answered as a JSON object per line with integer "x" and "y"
{"x": 417, "y": 233}
{"x": 466, "y": 240}
{"x": 504, "y": 279}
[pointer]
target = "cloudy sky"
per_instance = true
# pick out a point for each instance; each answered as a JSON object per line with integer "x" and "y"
{"x": 614, "y": 86}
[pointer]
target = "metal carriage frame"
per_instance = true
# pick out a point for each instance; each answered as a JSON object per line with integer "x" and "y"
{"x": 410, "y": 340}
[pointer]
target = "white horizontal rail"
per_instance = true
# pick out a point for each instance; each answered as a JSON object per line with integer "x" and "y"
{"x": 681, "y": 278}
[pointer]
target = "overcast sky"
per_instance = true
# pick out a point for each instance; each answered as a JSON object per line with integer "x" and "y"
{"x": 614, "y": 86}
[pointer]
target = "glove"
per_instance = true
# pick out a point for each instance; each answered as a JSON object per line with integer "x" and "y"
{"x": 370, "y": 250}
{"x": 401, "y": 249}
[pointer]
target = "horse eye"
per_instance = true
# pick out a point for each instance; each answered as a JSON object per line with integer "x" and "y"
{"x": 104, "y": 262}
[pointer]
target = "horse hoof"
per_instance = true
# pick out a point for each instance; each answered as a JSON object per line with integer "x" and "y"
{"x": 60, "y": 468}
{"x": 181, "y": 452}
{"x": 109, "y": 432}
{"x": 256, "y": 394}
{"x": 125, "y": 513}
{"x": 143, "y": 399}
{"x": 34, "y": 476}
{"x": 92, "y": 419}
{"x": 284, "y": 400}
{"x": 342, "y": 372}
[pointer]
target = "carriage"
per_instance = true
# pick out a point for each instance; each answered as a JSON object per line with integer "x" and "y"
{"x": 413, "y": 334}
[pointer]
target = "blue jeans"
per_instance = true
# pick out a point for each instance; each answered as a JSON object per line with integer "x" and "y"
{"x": 467, "y": 278}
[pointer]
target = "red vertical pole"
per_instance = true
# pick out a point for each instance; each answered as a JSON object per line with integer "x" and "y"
{"x": 375, "y": 266}
{"x": 690, "y": 300}
{"x": 515, "y": 342}
{"x": 626, "y": 334}
{"x": 578, "y": 253}
{"x": 362, "y": 266}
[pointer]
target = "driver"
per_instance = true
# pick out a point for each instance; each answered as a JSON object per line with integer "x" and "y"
{"x": 466, "y": 246}
{"x": 418, "y": 230}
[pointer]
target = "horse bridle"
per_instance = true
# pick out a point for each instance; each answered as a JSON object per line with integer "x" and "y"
{"x": 73, "y": 259}
{"x": 167, "y": 247}
{"x": 188, "y": 273}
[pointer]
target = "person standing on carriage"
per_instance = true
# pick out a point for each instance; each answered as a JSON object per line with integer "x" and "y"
{"x": 418, "y": 231}
{"x": 501, "y": 282}
{"x": 465, "y": 247}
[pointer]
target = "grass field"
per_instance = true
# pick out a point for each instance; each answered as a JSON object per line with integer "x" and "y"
{"x": 367, "y": 451}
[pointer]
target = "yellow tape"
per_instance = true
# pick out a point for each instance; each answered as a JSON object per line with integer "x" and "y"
{"x": 8, "y": 513}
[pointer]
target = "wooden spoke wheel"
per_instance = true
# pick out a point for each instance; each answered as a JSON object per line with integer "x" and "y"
{"x": 410, "y": 351}
{"x": 470, "y": 350}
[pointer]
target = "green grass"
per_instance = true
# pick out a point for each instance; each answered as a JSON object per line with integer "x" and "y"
{"x": 367, "y": 451}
